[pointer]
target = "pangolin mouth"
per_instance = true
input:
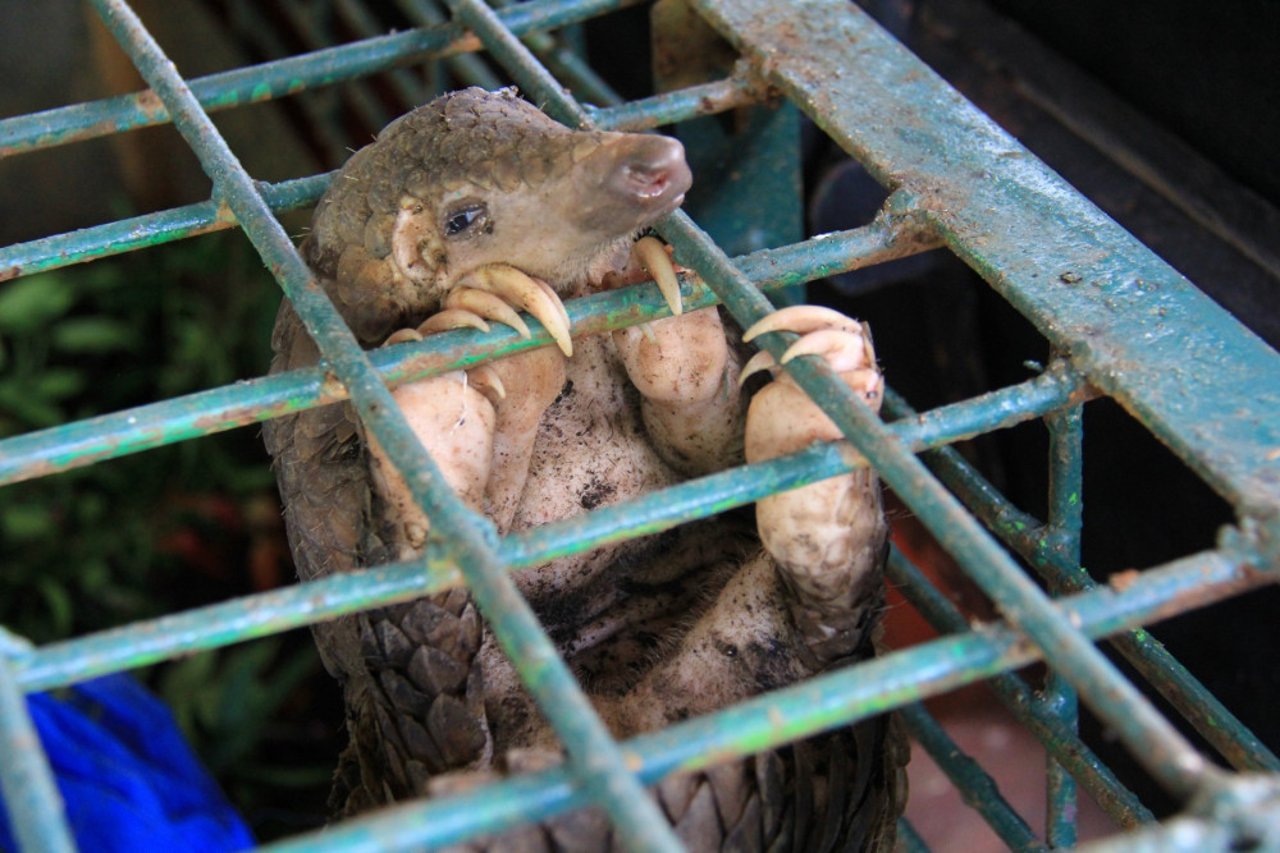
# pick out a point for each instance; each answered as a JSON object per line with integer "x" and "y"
{"x": 653, "y": 176}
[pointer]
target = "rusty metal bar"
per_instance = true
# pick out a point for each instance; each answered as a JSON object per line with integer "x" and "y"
{"x": 35, "y": 808}
{"x": 92, "y": 440}
{"x": 1060, "y": 741}
{"x": 1211, "y": 719}
{"x": 1010, "y": 228}
{"x": 593, "y": 755}
{"x": 837, "y": 698}
{"x": 281, "y": 78}
{"x": 1066, "y": 518}
{"x": 255, "y": 616}
{"x": 979, "y": 790}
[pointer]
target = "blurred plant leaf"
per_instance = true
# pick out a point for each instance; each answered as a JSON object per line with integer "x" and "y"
{"x": 24, "y": 522}
{"x": 89, "y": 335}
{"x": 32, "y": 303}
{"x": 19, "y": 398}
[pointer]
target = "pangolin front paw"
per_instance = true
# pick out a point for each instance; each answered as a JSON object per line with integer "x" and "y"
{"x": 478, "y": 425}
{"x": 684, "y": 370}
{"x": 826, "y": 538}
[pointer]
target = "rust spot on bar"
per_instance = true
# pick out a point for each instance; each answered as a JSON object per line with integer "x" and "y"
{"x": 151, "y": 106}
{"x": 1121, "y": 581}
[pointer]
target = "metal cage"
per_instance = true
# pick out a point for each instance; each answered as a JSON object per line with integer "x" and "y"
{"x": 1122, "y": 323}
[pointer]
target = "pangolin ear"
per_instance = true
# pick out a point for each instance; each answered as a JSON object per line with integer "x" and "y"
{"x": 416, "y": 247}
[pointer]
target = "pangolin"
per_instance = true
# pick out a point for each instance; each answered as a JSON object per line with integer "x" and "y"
{"x": 459, "y": 213}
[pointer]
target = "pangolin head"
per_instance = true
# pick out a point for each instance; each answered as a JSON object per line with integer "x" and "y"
{"x": 475, "y": 178}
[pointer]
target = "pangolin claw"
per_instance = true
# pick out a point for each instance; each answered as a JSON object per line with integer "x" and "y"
{"x": 758, "y": 362}
{"x": 486, "y": 380}
{"x": 486, "y": 305}
{"x": 843, "y": 349}
{"x": 844, "y": 343}
{"x": 653, "y": 256}
{"x": 453, "y": 318}
{"x": 802, "y": 319}
{"x": 535, "y": 297}
{"x": 400, "y": 336}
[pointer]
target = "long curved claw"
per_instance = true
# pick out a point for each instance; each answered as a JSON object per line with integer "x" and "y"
{"x": 486, "y": 305}
{"x": 519, "y": 289}
{"x": 653, "y": 256}
{"x": 554, "y": 297}
{"x": 400, "y": 336}
{"x": 802, "y": 319}
{"x": 843, "y": 350}
{"x": 486, "y": 380}
{"x": 452, "y": 318}
{"x": 758, "y": 362}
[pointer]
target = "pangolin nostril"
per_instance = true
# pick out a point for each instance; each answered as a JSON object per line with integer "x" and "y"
{"x": 654, "y": 169}
{"x": 648, "y": 182}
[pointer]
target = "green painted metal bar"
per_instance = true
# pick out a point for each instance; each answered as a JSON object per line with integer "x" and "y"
{"x": 151, "y": 229}
{"x": 944, "y": 427}
{"x": 1060, "y": 741}
{"x": 31, "y": 798}
{"x": 407, "y": 85}
{"x": 308, "y": 23}
{"x": 1211, "y": 719}
{"x": 678, "y": 105}
{"x": 92, "y": 440}
{"x": 537, "y": 84}
{"x": 976, "y": 786}
{"x": 568, "y": 67}
{"x": 833, "y": 699}
{"x": 948, "y": 139}
{"x": 255, "y": 616}
{"x": 1162, "y": 749}
{"x": 468, "y": 68}
{"x": 270, "y": 80}
{"x": 1092, "y": 289}
{"x": 251, "y": 22}
{"x": 909, "y": 839}
{"x": 1066, "y": 519}
{"x": 179, "y": 223}
{"x": 1245, "y": 816}
{"x": 593, "y": 755}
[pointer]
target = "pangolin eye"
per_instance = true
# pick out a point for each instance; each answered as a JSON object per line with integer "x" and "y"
{"x": 464, "y": 219}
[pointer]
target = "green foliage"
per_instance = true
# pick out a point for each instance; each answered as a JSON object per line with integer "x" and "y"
{"x": 171, "y": 528}
{"x": 238, "y": 708}
{"x": 91, "y": 548}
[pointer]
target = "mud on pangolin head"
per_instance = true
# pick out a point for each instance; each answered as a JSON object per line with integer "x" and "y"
{"x": 475, "y": 178}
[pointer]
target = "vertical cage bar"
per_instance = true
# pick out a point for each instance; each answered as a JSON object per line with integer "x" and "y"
{"x": 1066, "y": 516}
{"x": 909, "y": 840}
{"x": 533, "y": 78}
{"x": 975, "y": 784}
{"x": 1060, "y": 741}
{"x": 593, "y": 756}
{"x": 565, "y": 64}
{"x": 35, "y": 807}
{"x": 991, "y": 225}
{"x": 1211, "y": 719}
{"x": 466, "y": 68}
{"x": 1148, "y": 735}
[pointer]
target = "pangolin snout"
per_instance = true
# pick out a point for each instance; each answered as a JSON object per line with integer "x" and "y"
{"x": 651, "y": 173}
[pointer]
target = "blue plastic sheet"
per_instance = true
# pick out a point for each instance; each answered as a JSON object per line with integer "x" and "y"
{"x": 129, "y": 780}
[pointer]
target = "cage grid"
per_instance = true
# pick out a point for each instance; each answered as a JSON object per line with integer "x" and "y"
{"x": 1122, "y": 324}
